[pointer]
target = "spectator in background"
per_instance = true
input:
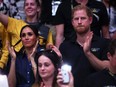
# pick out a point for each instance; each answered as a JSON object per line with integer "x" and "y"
{"x": 49, "y": 8}
{"x": 3, "y": 7}
{"x": 106, "y": 77}
{"x": 87, "y": 53}
{"x": 46, "y": 16}
{"x": 17, "y": 9}
{"x": 111, "y": 9}
{"x": 62, "y": 21}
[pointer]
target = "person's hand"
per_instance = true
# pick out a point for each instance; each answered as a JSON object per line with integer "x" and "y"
{"x": 32, "y": 55}
{"x": 48, "y": 45}
{"x": 87, "y": 44}
{"x": 60, "y": 80}
{"x": 11, "y": 50}
{"x": 34, "y": 51}
{"x": 55, "y": 49}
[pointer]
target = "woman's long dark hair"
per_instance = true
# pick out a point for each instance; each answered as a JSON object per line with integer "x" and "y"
{"x": 56, "y": 60}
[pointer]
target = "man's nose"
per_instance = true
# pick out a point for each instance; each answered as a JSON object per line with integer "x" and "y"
{"x": 79, "y": 21}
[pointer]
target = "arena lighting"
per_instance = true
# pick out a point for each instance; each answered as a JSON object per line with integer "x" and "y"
{"x": 3, "y": 81}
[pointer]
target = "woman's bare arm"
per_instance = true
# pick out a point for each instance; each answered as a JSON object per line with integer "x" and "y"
{"x": 4, "y": 19}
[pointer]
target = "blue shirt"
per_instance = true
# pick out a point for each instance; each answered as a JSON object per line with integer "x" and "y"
{"x": 24, "y": 72}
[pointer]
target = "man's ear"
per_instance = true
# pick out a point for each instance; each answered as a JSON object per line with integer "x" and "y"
{"x": 109, "y": 55}
{"x": 90, "y": 19}
{"x": 72, "y": 22}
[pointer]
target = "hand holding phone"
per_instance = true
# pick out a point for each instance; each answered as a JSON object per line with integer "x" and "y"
{"x": 64, "y": 70}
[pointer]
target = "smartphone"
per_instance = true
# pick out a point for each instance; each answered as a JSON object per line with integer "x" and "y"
{"x": 64, "y": 70}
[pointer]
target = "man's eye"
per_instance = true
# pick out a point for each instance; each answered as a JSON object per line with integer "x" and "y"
{"x": 83, "y": 18}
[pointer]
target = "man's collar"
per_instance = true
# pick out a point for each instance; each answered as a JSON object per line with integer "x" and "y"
{"x": 93, "y": 39}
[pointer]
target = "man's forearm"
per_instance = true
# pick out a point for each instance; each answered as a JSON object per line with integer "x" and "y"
{"x": 97, "y": 63}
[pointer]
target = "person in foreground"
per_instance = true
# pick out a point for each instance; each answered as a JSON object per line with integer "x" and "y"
{"x": 48, "y": 63}
{"x": 21, "y": 72}
{"x": 106, "y": 77}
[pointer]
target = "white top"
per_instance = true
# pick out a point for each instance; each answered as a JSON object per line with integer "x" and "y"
{"x": 3, "y": 81}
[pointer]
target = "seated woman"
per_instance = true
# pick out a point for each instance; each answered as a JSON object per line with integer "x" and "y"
{"x": 48, "y": 63}
{"x": 21, "y": 73}
{"x": 13, "y": 26}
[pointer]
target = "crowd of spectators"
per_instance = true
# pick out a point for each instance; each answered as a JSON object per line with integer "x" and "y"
{"x": 85, "y": 38}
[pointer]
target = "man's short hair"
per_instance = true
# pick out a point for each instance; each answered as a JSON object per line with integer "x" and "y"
{"x": 82, "y": 7}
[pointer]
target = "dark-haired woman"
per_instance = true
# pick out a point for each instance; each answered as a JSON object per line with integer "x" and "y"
{"x": 48, "y": 72}
{"x": 32, "y": 10}
{"x": 13, "y": 26}
{"x": 21, "y": 73}
{"x": 48, "y": 63}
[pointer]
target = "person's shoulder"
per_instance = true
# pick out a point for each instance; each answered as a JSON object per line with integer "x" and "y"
{"x": 96, "y": 79}
{"x": 16, "y": 20}
{"x": 44, "y": 26}
{"x": 67, "y": 42}
{"x": 96, "y": 3}
{"x": 106, "y": 41}
{"x": 101, "y": 39}
{"x": 65, "y": 4}
{"x": 97, "y": 75}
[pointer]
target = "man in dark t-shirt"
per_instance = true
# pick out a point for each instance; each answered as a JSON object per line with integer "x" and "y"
{"x": 87, "y": 52}
{"x": 62, "y": 21}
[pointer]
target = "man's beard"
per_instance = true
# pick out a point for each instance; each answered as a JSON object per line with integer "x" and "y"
{"x": 82, "y": 29}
